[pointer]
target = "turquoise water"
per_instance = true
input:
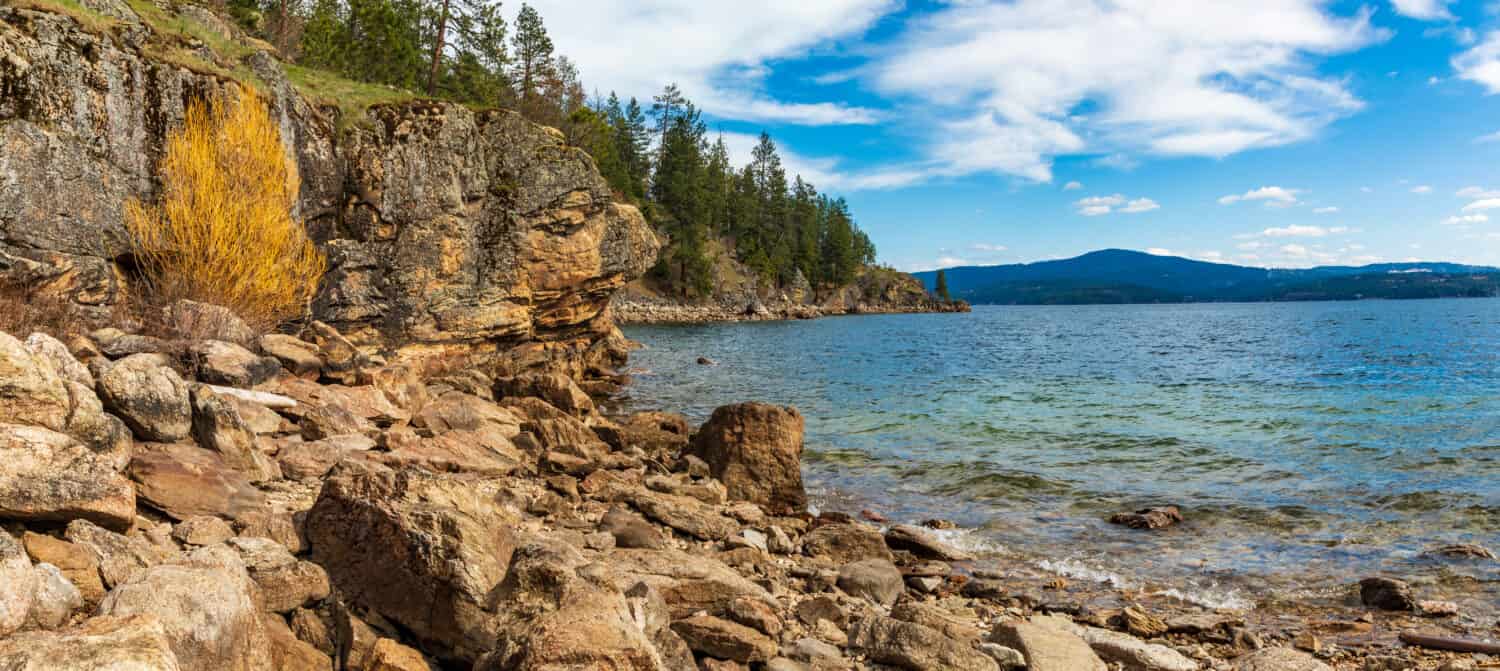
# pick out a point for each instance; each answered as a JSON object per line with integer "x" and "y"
{"x": 1307, "y": 443}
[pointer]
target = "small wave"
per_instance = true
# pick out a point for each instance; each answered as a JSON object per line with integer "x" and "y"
{"x": 968, "y": 540}
{"x": 1072, "y": 568}
{"x": 1208, "y": 598}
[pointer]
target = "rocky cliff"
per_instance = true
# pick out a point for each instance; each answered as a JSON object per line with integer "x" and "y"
{"x": 445, "y": 228}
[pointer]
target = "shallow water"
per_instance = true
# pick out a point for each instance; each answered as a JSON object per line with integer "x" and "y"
{"x": 1309, "y": 444}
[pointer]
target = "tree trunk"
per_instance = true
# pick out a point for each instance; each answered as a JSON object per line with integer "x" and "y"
{"x": 437, "y": 50}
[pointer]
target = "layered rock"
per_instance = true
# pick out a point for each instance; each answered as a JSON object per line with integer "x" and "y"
{"x": 445, "y": 229}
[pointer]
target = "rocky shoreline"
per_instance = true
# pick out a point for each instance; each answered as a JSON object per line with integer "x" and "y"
{"x": 633, "y": 307}
{"x": 232, "y": 502}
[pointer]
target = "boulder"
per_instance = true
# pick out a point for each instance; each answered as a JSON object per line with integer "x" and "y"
{"x": 631, "y": 530}
{"x": 31, "y": 392}
{"x": 1148, "y": 518}
{"x": 47, "y": 476}
{"x": 662, "y": 435}
{"x": 76, "y": 563}
{"x": 54, "y": 352}
{"x": 56, "y": 598}
{"x": 202, "y": 530}
{"x": 688, "y": 515}
{"x": 1386, "y": 594}
{"x": 298, "y": 357}
{"x": 755, "y": 449}
{"x": 921, "y": 543}
{"x": 688, "y": 583}
{"x": 423, "y": 550}
{"x": 846, "y": 542}
{"x": 1279, "y": 659}
{"x": 1047, "y": 648}
{"x": 217, "y": 425}
{"x": 225, "y": 363}
{"x": 557, "y": 613}
{"x": 389, "y": 655}
{"x": 117, "y": 344}
{"x": 342, "y": 361}
{"x": 485, "y": 451}
{"x": 715, "y": 637}
{"x": 101, "y": 432}
{"x": 276, "y": 525}
{"x": 912, "y": 646}
{"x": 192, "y": 320}
{"x": 287, "y": 653}
{"x": 151, "y": 397}
{"x": 185, "y": 481}
{"x": 18, "y": 584}
{"x": 876, "y": 580}
{"x": 457, "y": 411}
{"x": 132, "y": 643}
{"x": 1133, "y": 653}
{"x": 206, "y": 605}
{"x": 558, "y": 390}
{"x": 117, "y": 557}
{"x": 286, "y": 583}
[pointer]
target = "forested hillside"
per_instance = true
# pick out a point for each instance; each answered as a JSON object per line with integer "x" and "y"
{"x": 657, "y": 154}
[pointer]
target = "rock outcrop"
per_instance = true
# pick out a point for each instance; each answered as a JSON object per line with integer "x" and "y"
{"x": 446, "y": 230}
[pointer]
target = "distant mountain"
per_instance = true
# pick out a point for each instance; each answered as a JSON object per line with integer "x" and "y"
{"x": 1124, "y": 276}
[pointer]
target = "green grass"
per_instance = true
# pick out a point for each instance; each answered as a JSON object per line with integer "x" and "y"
{"x": 91, "y": 20}
{"x": 351, "y": 97}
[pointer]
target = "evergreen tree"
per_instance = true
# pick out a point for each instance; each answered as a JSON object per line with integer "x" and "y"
{"x": 942, "y": 286}
{"x": 533, "y": 66}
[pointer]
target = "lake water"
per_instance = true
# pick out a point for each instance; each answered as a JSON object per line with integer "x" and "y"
{"x": 1308, "y": 444}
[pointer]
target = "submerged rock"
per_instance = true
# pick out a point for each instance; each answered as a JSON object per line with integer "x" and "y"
{"x": 1149, "y": 518}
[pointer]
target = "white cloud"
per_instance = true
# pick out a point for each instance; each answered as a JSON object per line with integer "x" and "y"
{"x": 1366, "y": 189}
{"x": 1426, "y": 10}
{"x": 986, "y": 247}
{"x": 827, "y": 174}
{"x": 1491, "y": 137}
{"x": 1158, "y": 251}
{"x": 1094, "y": 206}
{"x": 1475, "y": 192}
{"x": 1481, "y": 205}
{"x": 1158, "y": 76}
{"x": 1273, "y": 195}
{"x": 1072, "y": 186}
{"x": 1423, "y": 189}
{"x": 1295, "y": 251}
{"x": 1325, "y": 210}
{"x": 1467, "y": 219}
{"x": 1296, "y": 231}
{"x": 1481, "y": 64}
{"x": 716, "y": 51}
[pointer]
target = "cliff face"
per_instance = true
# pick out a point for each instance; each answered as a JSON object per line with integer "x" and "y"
{"x": 444, "y": 228}
{"x": 875, "y": 290}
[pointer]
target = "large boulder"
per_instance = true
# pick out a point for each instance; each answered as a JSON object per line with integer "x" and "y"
{"x": 912, "y": 646}
{"x": 1047, "y": 648}
{"x": 226, "y": 363}
{"x": 207, "y": 605}
{"x": 63, "y": 362}
{"x": 688, "y": 583}
{"x": 423, "y": 550}
{"x": 18, "y": 584}
{"x": 48, "y": 476}
{"x": 184, "y": 481}
{"x": 556, "y": 389}
{"x": 31, "y": 392}
{"x": 285, "y": 582}
{"x": 845, "y": 542}
{"x": 131, "y": 643}
{"x": 1279, "y": 659}
{"x": 557, "y": 613}
{"x": 151, "y": 397}
{"x": 756, "y": 450}
{"x": 877, "y": 580}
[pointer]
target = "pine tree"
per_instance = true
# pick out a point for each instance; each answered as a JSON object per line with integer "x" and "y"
{"x": 942, "y": 286}
{"x": 533, "y": 58}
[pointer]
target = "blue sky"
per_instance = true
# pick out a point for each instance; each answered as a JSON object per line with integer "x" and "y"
{"x": 1263, "y": 132}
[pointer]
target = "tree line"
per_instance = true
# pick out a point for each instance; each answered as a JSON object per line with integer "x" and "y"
{"x": 658, "y": 157}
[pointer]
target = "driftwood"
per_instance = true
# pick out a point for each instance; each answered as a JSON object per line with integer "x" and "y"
{"x": 1448, "y": 643}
